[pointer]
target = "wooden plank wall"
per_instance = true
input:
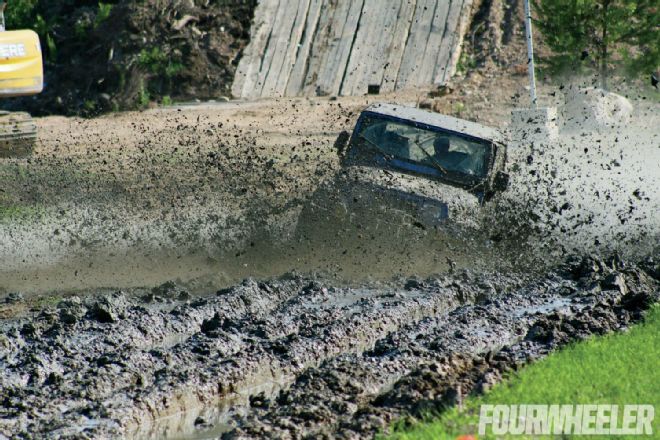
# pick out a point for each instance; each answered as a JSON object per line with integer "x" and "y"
{"x": 340, "y": 47}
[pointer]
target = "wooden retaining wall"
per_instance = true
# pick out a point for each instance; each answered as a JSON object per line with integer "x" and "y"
{"x": 340, "y": 47}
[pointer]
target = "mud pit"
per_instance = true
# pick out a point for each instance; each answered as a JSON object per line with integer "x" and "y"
{"x": 193, "y": 193}
{"x": 349, "y": 339}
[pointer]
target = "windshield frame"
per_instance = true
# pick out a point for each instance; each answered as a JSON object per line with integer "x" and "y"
{"x": 423, "y": 170}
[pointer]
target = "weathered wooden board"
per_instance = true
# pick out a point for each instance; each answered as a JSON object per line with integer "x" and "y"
{"x": 277, "y": 44}
{"x": 331, "y": 47}
{"x": 296, "y": 79}
{"x": 318, "y": 49}
{"x": 384, "y": 36}
{"x": 450, "y": 49}
{"x": 398, "y": 45}
{"x": 250, "y": 64}
{"x": 443, "y": 59}
{"x": 420, "y": 30}
{"x": 281, "y": 75}
{"x": 433, "y": 44}
{"x": 368, "y": 56}
{"x": 334, "y": 69}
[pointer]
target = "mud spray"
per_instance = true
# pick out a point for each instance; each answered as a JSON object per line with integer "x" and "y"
{"x": 336, "y": 342}
{"x": 590, "y": 191}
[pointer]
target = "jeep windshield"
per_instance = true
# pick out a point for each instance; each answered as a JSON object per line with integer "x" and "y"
{"x": 423, "y": 149}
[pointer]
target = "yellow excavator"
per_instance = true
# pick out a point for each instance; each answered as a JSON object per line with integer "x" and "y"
{"x": 21, "y": 74}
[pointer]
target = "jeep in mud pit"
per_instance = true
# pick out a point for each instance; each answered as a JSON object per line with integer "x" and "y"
{"x": 404, "y": 169}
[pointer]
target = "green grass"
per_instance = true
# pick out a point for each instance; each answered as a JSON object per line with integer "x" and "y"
{"x": 616, "y": 369}
{"x": 144, "y": 97}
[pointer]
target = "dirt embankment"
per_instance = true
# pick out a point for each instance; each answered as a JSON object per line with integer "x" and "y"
{"x": 126, "y": 54}
{"x": 295, "y": 357}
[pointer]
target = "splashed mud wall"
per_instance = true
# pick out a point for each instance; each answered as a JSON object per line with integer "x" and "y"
{"x": 340, "y": 47}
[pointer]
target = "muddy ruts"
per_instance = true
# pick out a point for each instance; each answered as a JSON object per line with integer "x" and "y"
{"x": 348, "y": 360}
{"x": 82, "y": 352}
{"x": 431, "y": 365}
{"x": 122, "y": 362}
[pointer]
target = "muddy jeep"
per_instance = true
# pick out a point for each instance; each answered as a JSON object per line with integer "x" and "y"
{"x": 407, "y": 169}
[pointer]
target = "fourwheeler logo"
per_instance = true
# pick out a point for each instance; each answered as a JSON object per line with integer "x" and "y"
{"x": 608, "y": 420}
{"x": 12, "y": 50}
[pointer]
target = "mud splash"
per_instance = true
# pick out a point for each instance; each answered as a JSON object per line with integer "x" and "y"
{"x": 588, "y": 192}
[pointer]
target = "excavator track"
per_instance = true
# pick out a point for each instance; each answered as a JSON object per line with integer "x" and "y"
{"x": 18, "y": 134}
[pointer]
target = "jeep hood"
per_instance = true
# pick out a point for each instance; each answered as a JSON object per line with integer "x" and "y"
{"x": 462, "y": 206}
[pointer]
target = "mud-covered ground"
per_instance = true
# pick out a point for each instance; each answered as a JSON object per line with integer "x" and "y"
{"x": 294, "y": 357}
{"x": 352, "y": 336}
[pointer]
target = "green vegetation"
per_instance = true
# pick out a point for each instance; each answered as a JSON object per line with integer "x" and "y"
{"x": 48, "y": 301}
{"x": 103, "y": 14}
{"x": 466, "y": 62}
{"x": 81, "y": 28}
{"x": 25, "y": 14}
{"x": 615, "y": 369}
{"x": 33, "y": 14}
{"x": 601, "y": 35}
{"x": 90, "y": 105}
{"x": 21, "y": 13}
{"x": 85, "y": 24}
{"x": 155, "y": 61}
{"x": 144, "y": 98}
{"x": 160, "y": 69}
{"x": 101, "y": 50}
{"x": 458, "y": 108}
{"x": 9, "y": 213}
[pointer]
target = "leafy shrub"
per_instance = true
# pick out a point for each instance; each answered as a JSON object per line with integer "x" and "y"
{"x": 155, "y": 61}
{"x": 103, "y": 13}
{"x": 144, "y": 97}
{"x": 21, "y": 14}
{"x": 25, "y": 14}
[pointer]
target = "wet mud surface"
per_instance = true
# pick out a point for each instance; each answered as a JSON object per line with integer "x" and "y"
{"x": 295, "y": 357}
{"x": 354, "y": 335}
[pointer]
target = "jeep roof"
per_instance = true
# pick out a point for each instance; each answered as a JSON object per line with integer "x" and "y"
{"x": 459, "y": 126}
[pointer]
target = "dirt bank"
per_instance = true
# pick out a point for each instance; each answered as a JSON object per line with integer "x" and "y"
{"x": 347, "y": 361}
{"x": 126, "y": 54}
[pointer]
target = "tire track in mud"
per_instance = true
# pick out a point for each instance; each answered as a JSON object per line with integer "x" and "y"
{"x": 119, "y": 349}
{"x": 241, "y": 356}
{"x": 291, "y": 357}
{"x": 432, "y": 364}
